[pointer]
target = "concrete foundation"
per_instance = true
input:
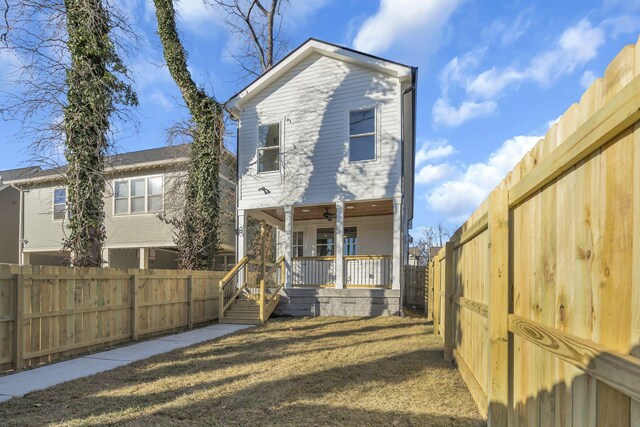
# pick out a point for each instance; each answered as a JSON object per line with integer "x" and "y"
{"x": 338, "y": 302}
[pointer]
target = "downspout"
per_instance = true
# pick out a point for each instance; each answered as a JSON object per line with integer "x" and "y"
{"x": 412, "y": 87}
{"x": 232, "y": 117}
{"x": 20, "y": 224}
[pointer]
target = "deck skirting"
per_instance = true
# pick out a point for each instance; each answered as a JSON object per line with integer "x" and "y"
{"x": 338, "y": 302}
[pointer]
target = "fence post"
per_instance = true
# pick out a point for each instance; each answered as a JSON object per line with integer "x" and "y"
{"x": 190, "y": 301}
{"x": 435, "y": 283}
{"x": 427, "y": 291}
{"x": 18, "y": 335}
{"x": 498, "y": 386}
{"x": 448, "y": 302}
{"x": 134, "y": 308}
{"x": 220, "y": 300}
{"x": 262, "y": 300}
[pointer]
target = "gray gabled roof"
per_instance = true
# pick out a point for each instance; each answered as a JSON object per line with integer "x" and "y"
{"x": 13, "y": 174}
{"x": 130, "y": 160}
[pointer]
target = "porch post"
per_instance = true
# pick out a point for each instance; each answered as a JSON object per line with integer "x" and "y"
{"x": 397, "y": 243}
{"x": 105, "y": 258}
{"x": 143, "y": 258}
{"x": 288, "y": 243}
{"x": 241, "y": 241}
{"x": 25, "y": 258}
{"x": 339, "y": 244}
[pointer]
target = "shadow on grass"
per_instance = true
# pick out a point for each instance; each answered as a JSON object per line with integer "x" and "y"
{"x": 361, "y": 375}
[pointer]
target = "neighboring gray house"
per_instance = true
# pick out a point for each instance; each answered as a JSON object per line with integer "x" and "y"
{"x": 326, "y": 155}
{"x": 10, "y": 214}
{"x": 141, "y": 186}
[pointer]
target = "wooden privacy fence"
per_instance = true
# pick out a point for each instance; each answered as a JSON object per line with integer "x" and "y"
{"x": 415, "y": 283}
{"x": 49, "y": 313}
{"x": 537, "y": 295}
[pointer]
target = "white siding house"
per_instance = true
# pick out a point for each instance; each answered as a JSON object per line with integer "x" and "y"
{"x": 141, "y": 186}
{"x": 325, "y": 154}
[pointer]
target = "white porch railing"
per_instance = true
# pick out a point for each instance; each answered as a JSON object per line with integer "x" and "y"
{"x": 367, "y": 271}
{"x": 317, "y": 271}
{"x": 360, "y": 271}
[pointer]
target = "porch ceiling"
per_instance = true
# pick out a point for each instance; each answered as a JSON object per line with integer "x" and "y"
{"x": 352, "y": 209}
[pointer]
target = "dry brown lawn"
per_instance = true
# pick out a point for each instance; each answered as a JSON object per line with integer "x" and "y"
{"x": 305, "y": 372}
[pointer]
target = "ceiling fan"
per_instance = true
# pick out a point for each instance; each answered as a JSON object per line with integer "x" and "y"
{"x": 327, "y": 215}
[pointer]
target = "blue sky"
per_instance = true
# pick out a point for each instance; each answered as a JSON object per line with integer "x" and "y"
{"x": 492, "y": 77}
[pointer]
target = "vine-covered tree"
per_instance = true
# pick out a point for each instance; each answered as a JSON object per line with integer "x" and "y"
{"x": 197, "y": 235}
{"x": 94, "y": 89}
{"x": 69, "y": 83}
{"x": 257, "y": 28}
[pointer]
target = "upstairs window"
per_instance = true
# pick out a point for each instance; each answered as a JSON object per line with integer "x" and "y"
{"x": 362, "y": 135}
{"x": 139, "y": 195}
{"x": 269, "y": 147}
{"x": 59, "y": 203}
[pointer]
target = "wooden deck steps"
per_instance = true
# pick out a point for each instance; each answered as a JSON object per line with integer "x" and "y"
{"x": 243, "y": 310}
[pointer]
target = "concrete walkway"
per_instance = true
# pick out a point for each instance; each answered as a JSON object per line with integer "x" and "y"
{"x": 21, "y": 383}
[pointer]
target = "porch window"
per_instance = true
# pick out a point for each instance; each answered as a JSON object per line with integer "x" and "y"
{"x": 59, "y": 203}
{"x": 325, "y": 240}
{"x": 269, "y": 147}
{"x": 362, "y": 135}
{"x": 298, "y": 243}
{"x": 350, "y": 241}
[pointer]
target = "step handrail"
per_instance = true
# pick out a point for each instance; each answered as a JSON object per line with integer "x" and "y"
{"x": 266, "y": 306}
{"x": 225, "y": 281}
{"x": 230, "y": 275}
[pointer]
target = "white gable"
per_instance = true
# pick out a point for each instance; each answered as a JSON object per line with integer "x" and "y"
{"x": 311, "y": 46}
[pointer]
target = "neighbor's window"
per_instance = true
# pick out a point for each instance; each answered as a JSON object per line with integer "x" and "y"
{"x": 325, "y": 239}
{"x": 139, "y": 195}
{"x": 298, "y": 243}
{"x": 351, "y": 241}
{"x": 269, "y": 147}
{"x": 59, "y": 203}
{"x": 362, "y": 135}
{"x": 154, "y": 194}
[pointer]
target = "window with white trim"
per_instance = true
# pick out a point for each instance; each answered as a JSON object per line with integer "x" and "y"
{"x": 59, "y": 203}
{"x": 139, "y": 195}
{"x": 325, "y": 240}
{"x": 298, "y": 243}
{"x": 350, "y": 241}
{"x": 269, "y": 147}
{"x": 362, "y": 135}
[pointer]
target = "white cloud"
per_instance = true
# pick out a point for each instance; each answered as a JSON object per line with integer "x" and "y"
{"x": 458, "y": 197}
{"x": 159, "y": 98}
{"x": 576, "y": 46}
{"x": 588, "y": 77}
{"x": 299, "y": 11}
{"x": 508, "y": 33}
{"x": 433, "y": 150}
{"x": 401, "y": 23}
{"x": 430, "y": 174}
{"x": 197, "y": 13}
{"x": 448, "y": 115}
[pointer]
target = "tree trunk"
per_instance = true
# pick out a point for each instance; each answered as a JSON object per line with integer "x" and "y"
{"x": 197, "y": 235}
{"x": 86, "y": 123}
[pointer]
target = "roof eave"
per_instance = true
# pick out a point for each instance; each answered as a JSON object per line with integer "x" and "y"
{"x": 400, "y": 71}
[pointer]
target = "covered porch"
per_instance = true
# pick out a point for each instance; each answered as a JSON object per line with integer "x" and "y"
{"x": 339, "y": 245}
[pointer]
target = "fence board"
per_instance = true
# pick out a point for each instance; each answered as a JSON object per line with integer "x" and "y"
{"x": 559, "y": 258}
{"x": 49, "y": 313}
